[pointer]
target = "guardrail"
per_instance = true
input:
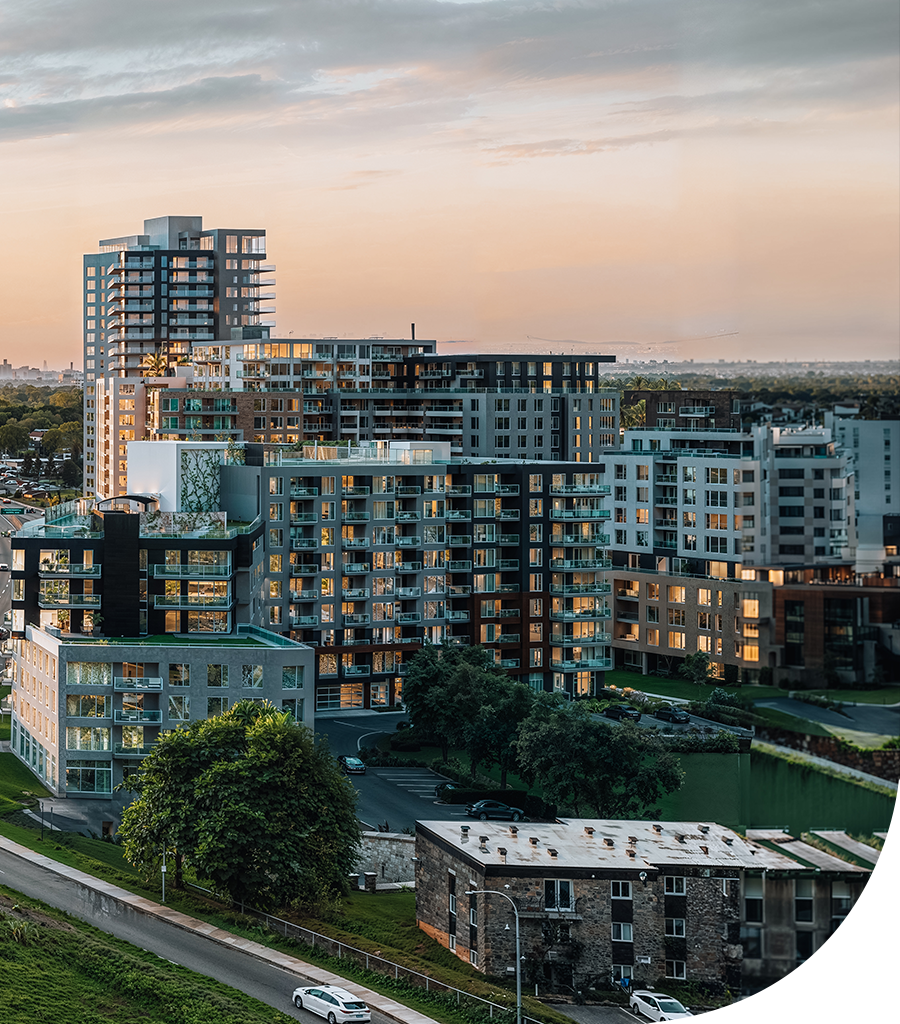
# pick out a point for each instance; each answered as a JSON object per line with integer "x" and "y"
{"x": 370, "y": 961}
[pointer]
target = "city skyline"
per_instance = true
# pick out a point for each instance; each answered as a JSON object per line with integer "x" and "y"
{"x": 503, "y": 176}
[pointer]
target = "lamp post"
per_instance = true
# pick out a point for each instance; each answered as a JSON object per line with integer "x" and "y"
{"x": 506, "y": 896}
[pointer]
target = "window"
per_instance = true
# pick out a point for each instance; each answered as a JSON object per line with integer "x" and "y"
{"x": 674, "y": 886}
{"x": 83, "y": 705}
{"x": 675, "y": 969}
{"x": 676, "y": 616}
{"x": 179, "y": 675}
{"x": 804, "y": 945}
{"x": 652, "y": 591}
{"x": 216, "y": 706}
{"x": 653, "y": 637}
{"x": 676, "y": 641}
{"x": 751, "y": 940}
{"x": 717, "y": 476}
{"x": 217, "y": 675}
{"x": 86, "y": 738}
{"x": 558, "y": 894}
{"x": 676, "y": 595}
{"x": 179, "y": 708}
{"x": 753, "y": 899}
{"x": 620, "y": 890}
{"x": 803, "y": 901}
{"x": 622, "y": 931}
{"x": 675, "y": 927}
{"x": 451, "y": 881}
{"x": 642, "y": 539}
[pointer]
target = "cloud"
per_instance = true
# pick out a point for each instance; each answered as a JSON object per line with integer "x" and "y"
{"x": 359, "y": 179}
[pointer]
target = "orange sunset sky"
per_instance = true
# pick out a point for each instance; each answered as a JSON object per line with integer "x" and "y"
{"x": 608, "y": 172}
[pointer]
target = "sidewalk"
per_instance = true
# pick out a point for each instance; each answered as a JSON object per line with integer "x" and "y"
{"x": 304, "y": 971}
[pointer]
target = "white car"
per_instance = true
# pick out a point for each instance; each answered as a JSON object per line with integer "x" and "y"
{"x": 658, "y": 1006}
{"x": 336, "y": 1005}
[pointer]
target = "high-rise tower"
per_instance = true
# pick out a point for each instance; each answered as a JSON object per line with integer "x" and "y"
{"x": 147, "y": 297}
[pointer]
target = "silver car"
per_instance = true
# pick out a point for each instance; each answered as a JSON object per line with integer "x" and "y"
{"x": 658, "y": 1006}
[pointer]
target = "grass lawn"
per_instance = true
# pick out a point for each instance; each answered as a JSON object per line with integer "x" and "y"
{"x": 682, "y": 688}
{"x": 792, "y": 723}
{"x": 17, "y": 784}
{"x": 65, "y": 971}
{"x": 886, "y": 695}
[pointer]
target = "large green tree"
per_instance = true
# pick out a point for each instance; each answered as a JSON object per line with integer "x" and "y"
{"x": 588, "y": 765}
{"x": 252, "y": 802}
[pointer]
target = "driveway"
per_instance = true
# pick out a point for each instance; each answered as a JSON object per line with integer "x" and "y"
{"x": 873, "y": 718}
{"x": 596, "y": 1014}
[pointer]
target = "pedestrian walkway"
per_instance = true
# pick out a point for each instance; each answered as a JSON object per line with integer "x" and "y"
{"x": 305, "y": 972}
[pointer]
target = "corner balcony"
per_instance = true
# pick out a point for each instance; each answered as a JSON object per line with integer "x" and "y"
{"x": 137, "y": 684}
{"x": 136, "y": 716}
{"x": 68, "y": 600}
{"x": 580, "y": 563}
{"x": 68, "y": 569}
{"x": 580, "y": 489}
{"x": 121, "y": 751}
{"x": 191, "y": 601}
{"x": 603, "y": 664}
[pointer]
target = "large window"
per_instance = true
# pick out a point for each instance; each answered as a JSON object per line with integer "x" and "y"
{"x": 89, "y": 777}
{"x": 674, "y": 886}
{"x": 88, "y": 673}
{"x": 252, "y": 676}
{"x": 84, "y": 705}
{"x": 86, "y": 738}
{"x": 217, "y": 675}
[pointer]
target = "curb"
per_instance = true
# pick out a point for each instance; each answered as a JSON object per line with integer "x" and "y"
{"x": 304, "y": 971}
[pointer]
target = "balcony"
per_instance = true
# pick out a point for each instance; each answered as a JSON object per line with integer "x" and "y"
{"x": 348, "y": 543}
{"x": 355, "y": 593}
{"x": 404, "y": 618}
{"x": 509, "y": 663}
{"x": 459, "y": 490}
{"x": 355, "y": 568}
{"x": 303, "y": 517}
{"x": 579, "y": 513}
{"x": 580, "y": 489}
{"x": 597, "y": 540}
{"x": 137, "y": 684}
{"x": 454, "y": 591}
{"x": 136, "y": 716}
{"x": 408, "y": 567}
{"x": 122, "y": 751}
{"x": 507, "y": 638}
{"x": 304, "y": 492}
{"x": 68, "y": 600}
{"x": 409, "y": 592}
{"x": 508, "y": 489}
{"x": 409, "y": 542}
{"x": 68, "y": 569}
{"x": 408, "y": 517}
{"x": 457, "y": 641}
{"x": 508, "y": 538}
{"x": 628, "y": 592}
{"x": 459, "y": 516}
{"x": 510, "y": 513}
{"x": 668, "y": 500}
{"x": 408, "y": 491}
{"x": 697, "y": 410}
{"x": 356, "y": 619}
{"x": 669, "y": 543}
{"x": 565, "y": 640}
{"x": 667, "y": 478}
{"x": 355, "y": 492}
{"x": 598, "y": 587}
{"x": 357, "y": 670}
{"x": 580, "y": 563}
{"x": 666, "y": 524}
{"x": 508, "y": 588}
{"x": 604, "y": 664}
{"x": 459, "y": 541}
{"x": 356, "y": 517}
{"x": 304, "y": 620}
{"x": 191, "y": 601}
{"x": 457, "y": 616}
{"x": 305, "y": 569}
{"x": 509, "y": 613}
{"x": 464, "y": 566}
{"x": 507, "y": 564}
{"x": 304, "y": 595}
{"x": 185, "y": 572}
{"x": 580, "y": 616}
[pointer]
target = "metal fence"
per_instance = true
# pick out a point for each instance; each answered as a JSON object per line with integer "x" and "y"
{"x": 370, "y": 961}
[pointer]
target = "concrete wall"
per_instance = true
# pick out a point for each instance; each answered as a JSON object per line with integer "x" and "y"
{"x": 389, "y": 855}
{"x": 774, "y": 1009}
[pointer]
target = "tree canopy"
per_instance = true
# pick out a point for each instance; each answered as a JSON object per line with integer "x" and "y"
{"x": 585, "y": 764}
{"x": 252, "y": 802}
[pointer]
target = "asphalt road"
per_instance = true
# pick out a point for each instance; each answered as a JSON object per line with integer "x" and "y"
{"x": 270, "y": 985}
{"x": 874, "y": 718}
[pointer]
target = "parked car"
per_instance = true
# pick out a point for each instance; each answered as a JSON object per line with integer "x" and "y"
{"x": 4, "y": 567}
{"x": 442, "y": 789}
{"x": 658, "y": 1006}
{"x": 332, "y": 1003}
{"x": 352, "y": 765}
{"x": 670, "y": 713}
{"x": 485, "y": 809}
{"x": 620, "y": 711}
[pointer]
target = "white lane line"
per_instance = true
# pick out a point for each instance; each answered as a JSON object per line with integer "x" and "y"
{"x": 359, "y": 742}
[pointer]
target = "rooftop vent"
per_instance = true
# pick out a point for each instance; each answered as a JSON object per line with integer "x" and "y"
{"x": 632, "y": 839}
{"x": 679, "y": 837}
{"x": 552, "y": 852}
{"x": 728, "y": 840}
{"x": 483, "y": 840}
{"x": 705, "y": 849}
{"x": 513, "y": 830}
{"x": 608, "y": 842}
{"x": 533, "y": 840}
{"x": 464, "y": 829}
{"x": 657, "y": 828}
{"x": 588, "y": 831}
{"x": 703, "y": 828}
{"x": 501, "y": 850}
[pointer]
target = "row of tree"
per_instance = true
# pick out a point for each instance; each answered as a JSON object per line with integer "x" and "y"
{"x": 24, "y": 408}
{"x": 458, "y": 697}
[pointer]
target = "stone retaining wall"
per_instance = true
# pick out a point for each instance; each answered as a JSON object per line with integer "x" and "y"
{"x": 883, "y": 763}
{"x": 389, "y": 855}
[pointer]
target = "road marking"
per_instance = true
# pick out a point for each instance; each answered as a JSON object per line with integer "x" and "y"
{"x": 359, "y": 742}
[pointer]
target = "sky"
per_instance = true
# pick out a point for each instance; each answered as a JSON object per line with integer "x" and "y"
{"x": 552, "y": 175}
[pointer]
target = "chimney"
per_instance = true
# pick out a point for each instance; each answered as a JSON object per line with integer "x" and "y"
{"x": 588, "y": 830}
{"x": 464, "y": 833}
{"x": 412, "y": 332}
{"x": 482, "y": 842}
{"x": 501, "y": 850}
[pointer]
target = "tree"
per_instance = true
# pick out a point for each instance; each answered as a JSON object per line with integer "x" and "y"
{"x": 13, "y": 438}
{"x": 154, "y": 365}
{"x": 70, "y": 473}
{"x": 252, "y": 802}
{"x": 695, "y": 668}
{"x": 580, "y": 762}
{"x": 499, "y": 706}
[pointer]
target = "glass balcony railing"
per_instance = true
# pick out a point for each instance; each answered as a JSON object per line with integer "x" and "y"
{"x": 137, "y": 684}
{"x": 132, "y": 716}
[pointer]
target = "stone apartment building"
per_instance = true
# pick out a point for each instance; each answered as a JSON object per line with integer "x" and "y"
{"x": 653, "y": 902}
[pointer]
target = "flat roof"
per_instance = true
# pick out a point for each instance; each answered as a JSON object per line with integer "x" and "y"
{"x": 667, "y": 843}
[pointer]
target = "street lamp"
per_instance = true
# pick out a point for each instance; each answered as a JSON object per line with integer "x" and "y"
{"x": 495, "y": 892}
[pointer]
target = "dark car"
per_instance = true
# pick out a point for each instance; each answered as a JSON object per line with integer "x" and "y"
{"x": 442, "y": 789}
{"x": 485, "y": 809}
{"x": 620, "y": 711}
{"x": 669, "y": 713}
{"x": 352, "y": 765}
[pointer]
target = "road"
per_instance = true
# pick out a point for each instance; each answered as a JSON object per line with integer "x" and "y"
{"x": 269, "y": 984}
{"x": 874, "y": 718}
